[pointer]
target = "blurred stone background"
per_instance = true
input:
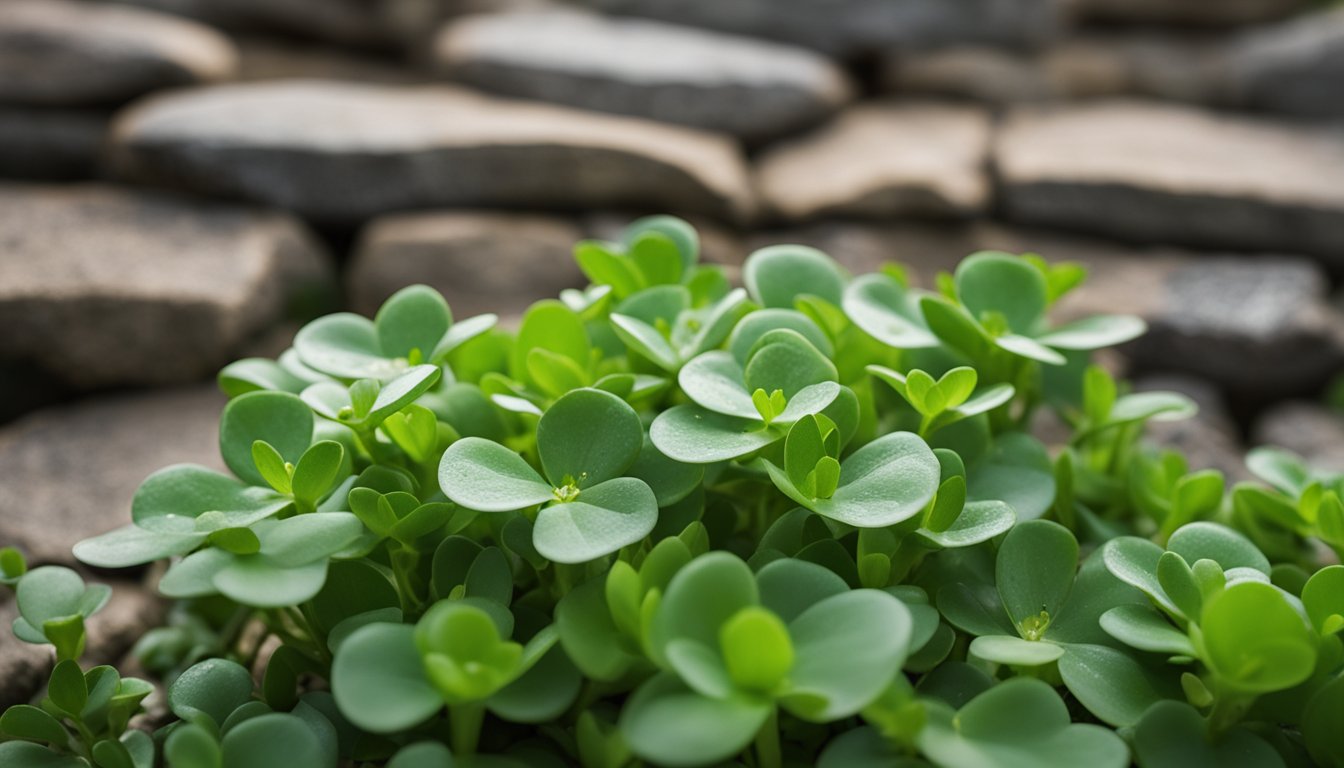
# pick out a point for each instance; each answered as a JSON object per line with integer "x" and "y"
{"x": 183, "y": 181}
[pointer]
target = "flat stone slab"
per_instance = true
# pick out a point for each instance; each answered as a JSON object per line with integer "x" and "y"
{"x": 847, "y": 27}
{"x": 64, "y": 52}
{"x": 1167, "y": 174}
{"x": 360, "y": 23}
{"x": 336, "y": 151}
{"x": 1295, "y": 67}
{"x": 749, "y": 88}
{"x": 132, "y": 611}
{"x": 72, "y": 470}
{"x": 920, "y": 160}
{"x": 102, "y": 286}
{"x": 481, "y": 262}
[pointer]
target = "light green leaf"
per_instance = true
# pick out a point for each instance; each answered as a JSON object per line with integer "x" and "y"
{"x": 1095, "y": 332}
{"x": 993, "y": 281}
{"x": 694, "y": 435}
{"x": 776, "y": 275}
{"x": 667, "y": 723}
{"x": 486, "y": 476}
{"x": 886, "y": 481}
{"x": 414, "y": 318}
{"x": 279, "y": 418}
{"x": 1035, "y": 570}
{"x": 588, "y": 437}
{"x": 606, "y": 517}
{"x": 883, "y": 309}
{"x": 379, "y": 682}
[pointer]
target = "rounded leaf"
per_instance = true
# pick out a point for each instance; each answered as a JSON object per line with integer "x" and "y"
{"x": 669, "y": 724}
{"x": 605, "y": 518}
{"x": 885, "y": 310}
{"x": 1270, "y": 653}
{"x": 588, "y": 436}
{"x": 253, "y": 744}
{"x": 214, "y": 688}
{"x": 279, "y": 418}
{"x": 1034, "y": 572}
{"x": 378, "y": 679}
{"x": 483, "y": 475}
{"x": 776, "y": 275}
{"x": 993, "y": 281}
{"x": 887, "y": 481}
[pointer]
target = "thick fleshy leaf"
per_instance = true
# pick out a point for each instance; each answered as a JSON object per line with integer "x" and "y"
{"x": 252, "y": 744}
{"x": 1173, "y": 735}
{"x": 257, "y": 373}
{"x": 588, "y": 634}
{"x": 1320, "y": 723}
{"x": 1134, "y": 561}
{"x": 603, "y": 519}
{"x": 992, "y": 281}
{"x": 186, "y": 498}
{"x": 784, "y": 360}
{"x": 643, "y": 338}
{"x": 670, "y": 480}
{"x": 694, "y": 435}
{"x": 133, "y": 545}
{"x": 413, "y": 318}
{"x": 1012, "y": 650}
{"x": 346, "y": 346}
{"x": 542, "y": 693}
{"x": 669, "y": 724}
{"x": 756, "y": 324}
{"x": 714, "y": 381}
{"x": 865, "y": 748}
{"x": 1034, "y": 572}
{"x": 379, "y": 681}
{"x": 979, "y": 521}
{"x": 552, "y": 326}
{"x": 1323, "y": 598}
{"x": 460, "y": 333}
{"x": 55, "y": 592}
{"x": 1095, "y": 332}
{"x": 255, "y": 580}
{"x": 976, "y": 609}
{"x": 1025, "y": 346}
{"x": 1144, "y": 628}
{"x": 1111, "y": 684}
{"x": 30, "y": 755}
{"x": 788, "y": 587}
{"x": 1018, "y": 471}
{"x": 279, "y": 418}
{"x": 213, "y": 688}
{"x": 302, "y": 539}
{"x": 885, "y": 310}
{"x": 848, "y": 648}
{"x": 588, "y": 436}
{"x": 776, "y": 275}
{"x": 486, "y": 476}
{"x": 1019, "y": 723}
{"x": 1094, "y": 592}
{"x": 1273, "y": 652}
{"x": 886, "y": 481}
{"x": 401, "y": 392}
{"x": 1204, "y": 540}
{"x": 700, "y": 599}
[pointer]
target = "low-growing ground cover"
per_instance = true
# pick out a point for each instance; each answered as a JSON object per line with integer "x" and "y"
{"x": 670, "y": 522}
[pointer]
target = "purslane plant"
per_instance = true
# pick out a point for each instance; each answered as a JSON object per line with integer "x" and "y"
{"x": 667, "y": 521}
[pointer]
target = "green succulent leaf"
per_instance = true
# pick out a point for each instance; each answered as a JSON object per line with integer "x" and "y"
{"x": 777, "y": 275}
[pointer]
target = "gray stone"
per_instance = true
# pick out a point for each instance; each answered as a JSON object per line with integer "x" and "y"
{"x": 346, "y": 152}
{"x": 1296, "y": 67}
{"x": 1311, "y": 430}
{"x": 883, "y": 161}
{"x": 102, "y": 286}
{"x": 1260, "y": 326}
{"x": 50, "y": 144}
{"x": 480, "y": 262}
{"x": 1203, "y": 13}
{"x": 751, "y": 89}
{"x": 846, "y": 27}
{"x": 1166, "y": 66}
{"x": 80, "y": 464}
{"x": 922, "y": 249}
{"x": 369, "y": 23}
{"x": 67, "y": 53}
{"x": 1151, "y": 173}
{"x": 1209, "y": 439}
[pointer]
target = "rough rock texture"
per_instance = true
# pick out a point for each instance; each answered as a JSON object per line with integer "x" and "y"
{"x": 346, "y": 152}
{"x": 1209, "y": 439}
{"x": 132, "y": 611}
{"x": 103, "y": 286}
{"x": 63, "y": 52}
{"x": 1167, "y": 66}
{"x": 370, "y": 23}
{"x": 752, "y": 89}
{"x": 1296, "y": 67}
{"x": 1151, "y": 173}
{"x": 1258, "y": 325}
{"x": 80, "y": 464}
{"x": 853, "y": 26}
{"x": 53, "y": 144}
{"x": 918, "y": 160}
{"x": 1308, "y": 429}
{"x": 481, "y": 262}
{"x": 1206, "y": 13}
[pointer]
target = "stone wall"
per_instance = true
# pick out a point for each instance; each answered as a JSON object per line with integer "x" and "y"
{"x": 181, "y": 181}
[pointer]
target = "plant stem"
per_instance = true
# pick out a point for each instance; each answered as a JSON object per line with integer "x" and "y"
{"x": 464, "y": 722}
{"x": 768, "y": 753}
